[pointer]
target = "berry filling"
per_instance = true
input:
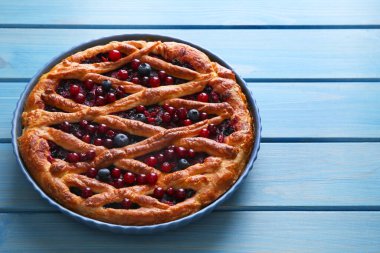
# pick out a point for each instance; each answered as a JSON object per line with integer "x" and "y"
{"x": 164, "y": 115}
{"x": 90, "y": 93}
{"x": 98, "y": 134}
{"x": 142, "y": 73}
{"x": 124, "y": 204}
{"x": 173, "y": 159}
{"x": 208, "y": 95}
{"x": 50, "y": 108}
{"x": 58, "y": 152}
{"x": 112, "y": 55}
{"x": 172, "y": 196}
{"x": 84, "y": 192}
{"x": 218, "y": 132}
{"x": 120, "y": 178}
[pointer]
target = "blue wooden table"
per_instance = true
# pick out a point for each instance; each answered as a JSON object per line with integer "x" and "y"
{"x": 314, "y": 67}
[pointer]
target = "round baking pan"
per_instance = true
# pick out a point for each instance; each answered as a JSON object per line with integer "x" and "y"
{"x": 17, "y": 130}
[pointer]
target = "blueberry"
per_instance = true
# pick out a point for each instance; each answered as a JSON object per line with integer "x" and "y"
{"x": 104, "y": 175}
{"x": 106, "y": 84}
{"x": 193, "y": 115}
{"x": 144, "y": 69}
{"x": 183, "y": 164}
{"x": 140, "y": 117}
{"x": 208, "y": 89}
{"x": 121, "y": 140}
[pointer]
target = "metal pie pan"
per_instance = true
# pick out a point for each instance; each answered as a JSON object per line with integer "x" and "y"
{"x": 17, "y": 130}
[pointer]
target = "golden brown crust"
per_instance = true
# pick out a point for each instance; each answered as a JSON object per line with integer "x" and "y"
{"x": 209, "y": 179}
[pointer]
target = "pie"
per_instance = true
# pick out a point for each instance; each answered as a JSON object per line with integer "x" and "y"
{"x": 136, "y": 132}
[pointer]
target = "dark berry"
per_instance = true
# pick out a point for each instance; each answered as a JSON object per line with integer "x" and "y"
{"x": 180, "y": 194}
{"x": 160, "y": 158}
{"x": 182, "y": 113}
{"x": 187, "y": 122}
{"x": 145, "y": 81}
{"x": 126, "y": 203}
{"x": 65, "y": 126}
{"x": 141, "y": 179}
{"x": 154, "y": 81}
{"x": 171, "y": 110}
{"x": 122, "y": 74}
{"x": 129, "y": 178}
{"x": 74, "y": 90}
{"x": 110, "y": 134}
{"x": 158, "y": 193}
{"x": 116, "y": 173}
{"x": 193, "y": 115}
{"x": 80, "y": 98}
{"x": 108, "y": 143}
{"x": 135, "y": 63}
{"x": 86, "y": 192}
{"x": 191, "y": 153}
{"x": 83, "y": 124}
{"x": 183, "y": 164}
{"x": 72, "y": 157}
{"x": 110, "y": 97}
{"x": 100, "y": 101}
{"x": 212, "y": 128}
{"x": 166, "y": 167}
{"x": 135, "y": 80}
{"x": 204, "y": 133}
{"x": 202, "y": 97}
{"x": 144, "y": 69}
{"x": 203, "y": 116}
{"x": 90, "y": 154}
{"x": 170, "y": 191}
{"x": 92, "y": 172}
{"x": 104, "y": 175}
{"x": 106, "y": 85}
{"x": 140, "y": 108}
{"x": 91, "y": 129}
{"x": 121, "y": 140}
{"x": 169, "y": 154}
{"x": 89, "y": 84}
{"x": 166, "y": 117}
{"x": 118, "y": 183}
{"x": 181, "y": 152}
{"x": 151, "y": 178}
{"x": 151, "y": 120}
{"x": 169, "y": 80}
{"x": 99, "y": 91}
{"x": 151, "y": 161}
{"x": 102, "y": 129}
{"x": 140, "y": 117}
{"x": 114, "y": 55}
{"x": 98, "y": 142}
{"x": 120, "y": 92}
{"x": 86, "y": 138}
{"x": 162, "y": 75}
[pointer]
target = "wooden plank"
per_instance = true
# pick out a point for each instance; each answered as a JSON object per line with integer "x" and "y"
{"x": 253, "y": 53}
{"x": 244, "y": 232}
{"x": 285, "y": 176}
{"x": 168, "y": 12}
{"x": 287, "y": 109}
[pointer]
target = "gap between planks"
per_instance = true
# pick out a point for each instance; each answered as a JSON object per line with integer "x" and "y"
{"x": 192, "y": 27}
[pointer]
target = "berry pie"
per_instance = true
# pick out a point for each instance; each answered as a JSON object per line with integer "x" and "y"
{"x": 136, "y": 132}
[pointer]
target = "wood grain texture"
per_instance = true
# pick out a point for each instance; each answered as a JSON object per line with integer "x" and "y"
{"x": 166, "y": 12}
{"x": 287, "y": 109}
{"x": 285, "y": 176}
{"x": 218, "y": 232}
{"x": 253, "y": 53}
